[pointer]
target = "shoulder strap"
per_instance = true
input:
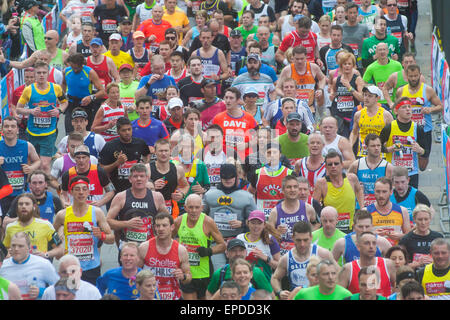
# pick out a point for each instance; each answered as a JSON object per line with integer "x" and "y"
{"x": 222, "y": 274}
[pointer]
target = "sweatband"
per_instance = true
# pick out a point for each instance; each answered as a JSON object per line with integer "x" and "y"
{"x": 78, "y": 182}
{"x": 79, "y": 153}
{"x": 403, "y": 103}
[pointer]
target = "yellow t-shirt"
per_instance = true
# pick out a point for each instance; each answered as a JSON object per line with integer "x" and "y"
{"x": 177, "y": 19}
{"x": 40, "y": 232}
{"x": 26, "y": 94}
{"x": 120, "y": 59}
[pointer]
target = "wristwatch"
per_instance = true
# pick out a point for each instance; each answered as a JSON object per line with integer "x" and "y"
{"x": 46, "y": 255}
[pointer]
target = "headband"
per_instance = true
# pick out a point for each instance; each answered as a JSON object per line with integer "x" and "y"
{"x": 79, "y": 153}
{"x": 405, "y": 275}
{"x": 403, "y": 103}
{"x": 78, "y": 182}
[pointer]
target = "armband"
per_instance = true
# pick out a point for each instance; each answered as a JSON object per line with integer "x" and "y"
{"x": 103, "y": 236}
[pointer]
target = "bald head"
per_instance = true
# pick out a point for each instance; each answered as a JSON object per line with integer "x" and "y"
{"x": 329, "y": 212}
{"x": 193, "y": 198}
{"x": 52, "y": 34}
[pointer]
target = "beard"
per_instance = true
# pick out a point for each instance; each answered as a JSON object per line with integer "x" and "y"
{"x": 25, "y": 217}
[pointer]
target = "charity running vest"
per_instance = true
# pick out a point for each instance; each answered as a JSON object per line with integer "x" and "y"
{"x": 408, "y": 158}
{"x": 344, "y": 200}
{"x": 14, "y": 158}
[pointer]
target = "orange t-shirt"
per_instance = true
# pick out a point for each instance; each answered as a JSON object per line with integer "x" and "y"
{"x": 148, "y": 27}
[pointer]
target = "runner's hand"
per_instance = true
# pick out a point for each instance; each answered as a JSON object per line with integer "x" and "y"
{"x": 97, "y": 232}
{"x": 235, "y": 224}
{"x": 179, "y": 274}
{"x": 159, "y": 184}
{"x": 135, "y": 223}
{"x": 284, "y": 295}
{"x": 33, "y": 292}
{"x": 122, "y": 158}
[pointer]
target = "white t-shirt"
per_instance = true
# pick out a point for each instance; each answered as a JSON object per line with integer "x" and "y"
{"x": 86, "y": 291}
{"x": 35, "y": 271}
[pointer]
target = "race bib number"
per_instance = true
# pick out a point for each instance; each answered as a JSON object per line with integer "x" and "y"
{"x": 345, "y": 103}
{"x": 417, "y": 115}
{"x": 214, "y": 175}
{"x": 81, "y": 246}
{"x": 222, "y": 220}
{"x": 266, "y": 206}
{"x": 42, "y": 122}
{"x": 418, "y": 256}
{"x": 343, "y": 221}
{"x": 194, "y": 257}
{"x": 210, "y": 69}
{"x": 109, "y": 25}
{"x": 196, "y": 6}
{"x": 306, "y": 95}
{"x": 16, "y": 179}
{"x": 124, "y": 169}
{"x": 369, "y": 199}
{"x": 285, "y": 246}
{"x": 127, "y": 102}
{"x": 406, "y": 160}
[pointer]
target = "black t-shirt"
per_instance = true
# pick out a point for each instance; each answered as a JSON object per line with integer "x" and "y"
{"x": 134, "y": 150}
{"x": 386, "y": 132}
{"x": 102, "y": 177}
{"x": 189, "y": 90}
{"x": 57, "y": 204}
{"x": 220, "y": 41}
{"x": 108, "y": 20}
{"x": 415, "y": 243}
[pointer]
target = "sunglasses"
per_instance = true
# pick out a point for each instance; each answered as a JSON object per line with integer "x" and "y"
{"x": 170, "y": 38}
{"x": 391, "y": 5}
{"x": 48, "y": 38}
{"x": 331, "y": 164}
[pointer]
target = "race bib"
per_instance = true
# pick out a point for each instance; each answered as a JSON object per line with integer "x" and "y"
{"x": 343, "y": 221}
{"x": 285, "y": 246}
{"x": 214, "y": 175}
{"x": 369, "y": 199}
{"x": 16, "y": 179}
{"x": 124, "y": 169}
{"x": 194, "y": 257}
{"x": 406, "y": 160}
{"x": 222, "y": 220}
{"x": 345, "y": 103}
{"x": 196, "y": 6}
{"x": 417, "y": 115}
{"x": 42, "y": 121}
{"x": 266, "y": 206}
{"x": 81, "y": 246}
{"x": 109, "y": 26}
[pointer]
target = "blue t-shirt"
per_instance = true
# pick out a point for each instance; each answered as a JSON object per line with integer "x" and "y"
{"x": 264, "y": 69}
{"x": 113, "y": 282}
{"x": 157, "y": 86}
{"x": 248, "y": 294}
{"x": 151, "y": 133}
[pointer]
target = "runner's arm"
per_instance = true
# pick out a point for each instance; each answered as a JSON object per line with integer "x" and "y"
{"x": 277, "y": 276}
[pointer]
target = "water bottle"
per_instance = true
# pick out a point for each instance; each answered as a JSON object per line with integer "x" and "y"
{"x": 398, "y": 144}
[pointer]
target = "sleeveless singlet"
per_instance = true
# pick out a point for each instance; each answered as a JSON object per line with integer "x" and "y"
{"x": 84, "y": 50}
{"x": 101, "y": 69}
{"x": 393, "y": 221}
{"x": 211, "y": 66}
{"x": 83, "y": 87}
{"x": 110, "y": 114}
{"x": 289, "y": 219}
{"x": 344, "y": 200}
{"x": 385, "y": 281}
{"x": 163, "y": 266}
{"x": 333, "y": 145}
{"x": 95, "y": 187}
{"x": 296, "y": 270}
{"x": 140, "y": 207}
{"x": 418, "y": 101}
{"x": 286, "y": 27}
{"x": 141, "y": 61}
{"x": 368, "y": 125}
{"x": 47, "y": 209}
{"x": 58, "y": 62}
{"x": 312, "y": 175}
{"x": 409, "y": 203}
{"x": 42, "y": 125}
{"x": 368, "y": 176}
{"x": 409, "y": 159}
{"x": 344, "y": 103}
{"x": 305, "y": 84}
{"x": 351, "y": 252}
{"x": 171, "y": 179}
{"x": 14, "y": 158}
{"x": 435, "y": 287}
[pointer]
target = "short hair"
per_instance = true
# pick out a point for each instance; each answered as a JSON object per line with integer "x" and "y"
{"x": 202, "y": 13}
{"x": 413, "y": 67}
{"x": 304, "y": 22}
{"x": 36, "y": 212}
{"x": 351, "y": 5}
{"x": 177, "y": 54}
{"x": 156, "y": 58}
{"x": 336, "y": 27}
{"x": 161, "y": 141}
{"x": 371, "y": 137}
{"x": 11, "y": 118}
{"x": 164, "y": 215}
{"x": 439, "y": 242}
{"x": 235, "y": 91}
{"x": 143, "y": 99}
{"x": 299, "y": 50}
{"x": 384, "y": 180}
{"x": 76, "y": 58}
{"x": 333, "y": 154}
{"x": 325, "y": 17}
{"x": 193, "y": 58}
{"x": 301, "y": 227}
{"x": 302, "y": 179}
{"x": 362, "y": 214}
{"x": 129, "y": 244}
{"x": 401, "y": 99}
{"x": 38, "y": 172}
{"x": 215, "y": 127}
{"x": 22, "y": 234}
{"x": 316, "y": 134}
{"x": 67, "y": 258}
{"x": 255, "y": 45}
{"x": 164, "y": 42}
{"x": 230, "y": 284}
{"x": 400, "y": 172}
{"x": 241, "y": 261}
{"x": 288, "y": 178}
{"x": 408, "y": 54}
{"x": 261, "y": 294}
{"x": 41, "y": 64}
{"x": 249, "y": 12}
{"x": 324, "y": 262}
{"x": 143, "y": 275}
{"x": 363, "y": 234}
{"x": 188, "y": 111}
{"x": 122, "y": 121}
{"x": 286, "y": 100}
{"x": 421, "y": 208}
{"x": 410, "y": 287}
{"x": 369, "y": 270}
{"x": 75, "y": 136}
{"x": 138, "y": 167}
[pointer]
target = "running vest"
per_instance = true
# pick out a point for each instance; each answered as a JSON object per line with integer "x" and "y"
{"x": 67, "y": 163}
{"x": 192, "y": 239}
{"x": 89, "y": 141}
{"x": 182, "y": 75}
{"x": 367, "y": 177}
{"x": 47, "y": 209}
{"x": 393, "y": 221}
{"x": 286, "y": 27}
{"x": 368, "y": 125}
{"x": 84, "y": 50}
{"x": 141, "y": 61}
{"x": 83, "y": 87}
{"x": 409, "y": 159}
{"x": 296, "y": 270}
{"x": 258, "y": 15}
{"x": 4, "y": 288}
{"x": 163, "y": 266}
{"x": 268, "y": 56}
{"x": 268, "y": 188}
{"x": 289, "y": 219}
{"x": 110, "y": 114}
{"x": 334, "y": 145}
{"x": 418, "y": 101}
{"x": 127, "y": 98}
{"x": 351, "y": 252}
{"x": 211, "y": 66}
{"x": 42, "y": 125}
{"x": 15, "y": 157}
{"x": 435, "y": 287}
{"x": 312, "y": 175}
{"x": 385, "y": 281}
{"x": 368, "y": 18}
{"x": 58, "y": 62}
{"x": 79, "y": 240}
{"x": 305, "y": 84}
{"x": 400, "y": 83}
{"x": 95, "y": 187}
{"x": 171, "y": 180}
{"x": 344, "y": 103}
{"x": 409, "y": 203}
{"x": 396, "y": 28}
{"x": 101, "y": 69}
{"x": 344, "y": 200}
{"x": 138, "y": 207}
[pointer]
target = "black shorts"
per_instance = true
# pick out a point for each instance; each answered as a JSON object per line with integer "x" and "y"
{"x": 427, "y": 141}
{"x": 196, "y": 285}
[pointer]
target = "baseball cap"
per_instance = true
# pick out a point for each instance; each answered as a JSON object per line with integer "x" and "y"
{"x": 250, "y": 91}
{"x": 294, "y": 116}
{"x": 228, "y": 171}
{"x": 235, "y": 33}
{"x": 206, "y": 82}
{"x": 257, "y": 214}
{"x": 298, "y": 17}
{"x": 138, "y": 34}
{"x": 175, "y": 102}
{"x": 253, "y": 56}
{"x": 373, "y": 90}
{"x": 125, "y": 66}
{"x": 233, "y": 243}
{"x": 30, "y": 4}
{"x": 79, "y": 114}
{"x": 125, "y": 20}
{"x": 115, "y": 36}
{"x": 96, "y": 41}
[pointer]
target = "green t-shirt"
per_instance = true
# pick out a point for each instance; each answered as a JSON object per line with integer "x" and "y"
{"x": 370, "y": 44}
{"x": 245, "y": 33}
{"x": 259, "y": 280}
{"x": 4, "y": 288}
{"x": 127, "y": 97}
{"x": 324, "y": 242}
{"x": 294, "y": 150}
{"x": 313, "y": 293}
{"x": 378, "y": 74}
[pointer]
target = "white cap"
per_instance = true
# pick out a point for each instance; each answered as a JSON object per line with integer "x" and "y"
{"x": 175, "y": 102}
{"x": 115, "y": 36}
{"x": 374, "y": 90}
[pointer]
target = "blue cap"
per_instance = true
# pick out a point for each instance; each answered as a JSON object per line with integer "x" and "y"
{"x": 298, "y": 17}
{"x": 96, "y": 41}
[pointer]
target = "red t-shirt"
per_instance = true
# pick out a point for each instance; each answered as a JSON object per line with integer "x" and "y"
{"x": 293, "y": 40}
